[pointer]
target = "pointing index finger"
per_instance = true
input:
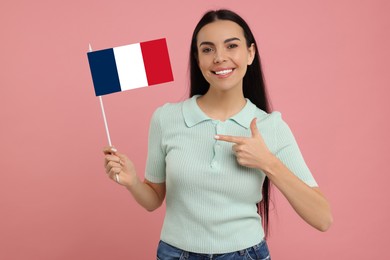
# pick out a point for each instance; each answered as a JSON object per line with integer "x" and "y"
{"x": 229, "y": 138}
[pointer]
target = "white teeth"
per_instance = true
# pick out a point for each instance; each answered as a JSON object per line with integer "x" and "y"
{"x": 223, "y": 72}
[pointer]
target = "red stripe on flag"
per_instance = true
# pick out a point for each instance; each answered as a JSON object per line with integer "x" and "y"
{"x": 156, "y": 61}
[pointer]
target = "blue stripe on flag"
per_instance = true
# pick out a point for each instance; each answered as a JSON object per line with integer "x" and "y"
{"x": 104, "y": 72}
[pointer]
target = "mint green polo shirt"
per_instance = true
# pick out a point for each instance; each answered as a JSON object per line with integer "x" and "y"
{"x": 210, "y": 198}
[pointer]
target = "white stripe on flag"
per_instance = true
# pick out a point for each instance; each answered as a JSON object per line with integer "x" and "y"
{"x": 130, "y": 66}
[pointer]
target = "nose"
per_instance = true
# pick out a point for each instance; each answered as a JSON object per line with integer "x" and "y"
{"x": 219, "y": 56}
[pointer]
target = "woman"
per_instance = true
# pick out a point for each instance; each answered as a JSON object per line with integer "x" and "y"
{"x": 213, "y": 155}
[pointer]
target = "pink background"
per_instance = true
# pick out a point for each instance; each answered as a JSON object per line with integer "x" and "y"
{"x": 327, "y": 69}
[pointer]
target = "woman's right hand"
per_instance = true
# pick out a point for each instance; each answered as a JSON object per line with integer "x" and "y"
{"x": 119, "y": 168}
{"x": 148, "y": 195}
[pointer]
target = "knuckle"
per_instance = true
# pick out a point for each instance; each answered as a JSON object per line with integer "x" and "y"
{"x": 239, "y": 148}
{"x": 240, "y": 160}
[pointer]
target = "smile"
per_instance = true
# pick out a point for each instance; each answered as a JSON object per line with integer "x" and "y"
{"x": 223, "y": 72}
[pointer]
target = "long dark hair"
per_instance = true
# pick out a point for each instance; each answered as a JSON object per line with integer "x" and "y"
{"x": 253, "y": 85}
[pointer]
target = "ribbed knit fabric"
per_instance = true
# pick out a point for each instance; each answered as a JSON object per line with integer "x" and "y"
{"x": 211, "y": 199}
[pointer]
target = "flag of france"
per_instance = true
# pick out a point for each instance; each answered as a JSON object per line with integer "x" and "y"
{"x": 130, "y": 66}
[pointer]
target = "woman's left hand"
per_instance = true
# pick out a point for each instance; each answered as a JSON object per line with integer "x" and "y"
{"x": 308, "y": 202}
{"x": 251, "y": 151}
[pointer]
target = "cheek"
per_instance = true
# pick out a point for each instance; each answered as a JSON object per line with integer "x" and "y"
{"x": 242, "y": 57}
{"x": 203, "y": 64}
{"x": 239, "y": 58}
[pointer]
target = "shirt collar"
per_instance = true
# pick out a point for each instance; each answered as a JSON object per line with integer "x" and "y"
{"x": 193, "y": 115}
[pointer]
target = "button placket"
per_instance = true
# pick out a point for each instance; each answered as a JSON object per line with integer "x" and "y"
{"x": 217, "y": 145}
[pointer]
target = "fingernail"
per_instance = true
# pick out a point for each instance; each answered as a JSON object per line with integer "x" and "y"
{"x": 216, "y": 136}
{"x": 113, "y": 149}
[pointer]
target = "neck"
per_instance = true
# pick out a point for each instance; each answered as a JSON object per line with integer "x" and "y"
{"x": 221, "y": 105}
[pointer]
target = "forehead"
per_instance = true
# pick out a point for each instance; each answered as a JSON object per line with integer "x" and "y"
{"x": 220, "y": 30}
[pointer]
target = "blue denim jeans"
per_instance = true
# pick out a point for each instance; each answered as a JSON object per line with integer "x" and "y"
{"x": 257, "y": 252}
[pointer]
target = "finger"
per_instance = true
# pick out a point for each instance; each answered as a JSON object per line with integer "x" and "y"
{"x": 122, "y": 158}
{"x": 238, "y": 148}
{"x": 114, "y": 171}
{"x": 109, "y": 150}
{"x": 112, "y": 161}
{"x": 112, "y": 158}
{"x": 254, "y": 129}
{"x": 235, "y": 148}
{"x": 229, "y": 138}
{"x": 115, "y": 177}
{"x": 112, "y": 164}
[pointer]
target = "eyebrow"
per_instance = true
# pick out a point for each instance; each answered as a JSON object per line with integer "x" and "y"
{"x": 225, "y": 41}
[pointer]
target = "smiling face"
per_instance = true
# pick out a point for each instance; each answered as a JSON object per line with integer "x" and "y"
{"x": 223, "y": 55}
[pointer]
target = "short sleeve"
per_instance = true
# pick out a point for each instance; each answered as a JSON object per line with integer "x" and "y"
{"x": 155, "y": 163}
{"x": 288, "y": 152}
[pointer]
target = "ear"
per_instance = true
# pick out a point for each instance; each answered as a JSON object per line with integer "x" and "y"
{"x": 251, "y": 53}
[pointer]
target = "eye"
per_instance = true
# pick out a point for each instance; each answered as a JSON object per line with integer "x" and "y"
{"x": 232, "y": 46}
{"x": 207, "y": 50}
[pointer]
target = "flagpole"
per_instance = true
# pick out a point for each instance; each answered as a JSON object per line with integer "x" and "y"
{"x": 105, "y": 121}
{"x": 103, "y": 113}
